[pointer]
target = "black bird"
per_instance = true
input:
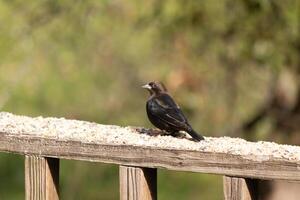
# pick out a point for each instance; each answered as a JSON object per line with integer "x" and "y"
{"x": 164, "y": 113}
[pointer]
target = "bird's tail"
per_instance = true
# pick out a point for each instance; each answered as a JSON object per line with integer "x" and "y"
{"x": 195, "y": 135}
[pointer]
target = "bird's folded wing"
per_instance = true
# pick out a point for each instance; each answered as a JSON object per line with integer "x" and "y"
{"x": 170, "y": 113}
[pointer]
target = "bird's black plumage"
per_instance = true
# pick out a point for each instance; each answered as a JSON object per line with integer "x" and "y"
{"x": 164, "y": 113}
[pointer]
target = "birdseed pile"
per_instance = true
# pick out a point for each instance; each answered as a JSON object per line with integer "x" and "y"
{"x": 89, "y": 132}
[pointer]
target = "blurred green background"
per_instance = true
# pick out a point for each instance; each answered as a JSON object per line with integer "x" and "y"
{"x": 233, "y": 66}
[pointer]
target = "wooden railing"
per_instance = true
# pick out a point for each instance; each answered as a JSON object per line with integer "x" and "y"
{"x": 139, "y": 152}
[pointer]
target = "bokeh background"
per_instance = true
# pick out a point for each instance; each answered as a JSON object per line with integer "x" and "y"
{"x": 233, "y": 66}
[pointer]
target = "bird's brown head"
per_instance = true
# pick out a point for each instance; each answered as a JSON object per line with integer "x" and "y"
{"x": 155, "y": 87}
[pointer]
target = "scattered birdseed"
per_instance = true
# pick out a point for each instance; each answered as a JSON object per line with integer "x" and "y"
{"x": 89, "y": 132}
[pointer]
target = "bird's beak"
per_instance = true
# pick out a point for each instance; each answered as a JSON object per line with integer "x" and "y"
{"x": 147, "y": 86}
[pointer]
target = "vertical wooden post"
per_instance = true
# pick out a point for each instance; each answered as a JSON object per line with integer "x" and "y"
{"x": 41, "y": 178}
{"x": 138, "y": 183}
{"x": 240, "y": 188}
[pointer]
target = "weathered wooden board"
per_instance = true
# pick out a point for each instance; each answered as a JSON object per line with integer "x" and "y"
{"x": 171, "y": 159}
{"x": 240, "y": 188}
{"x": 138, "y": 183}
{"x": 41, "y": 178}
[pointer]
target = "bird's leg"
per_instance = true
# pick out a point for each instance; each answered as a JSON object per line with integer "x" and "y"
{"x": 156, "y": 132}
{"x": 151, "y": 132}
{"x": 164, "y": 133}
{"x": 178, "y": 134}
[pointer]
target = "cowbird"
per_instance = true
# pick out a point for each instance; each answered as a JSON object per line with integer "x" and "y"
{"x": 165, "y": 114}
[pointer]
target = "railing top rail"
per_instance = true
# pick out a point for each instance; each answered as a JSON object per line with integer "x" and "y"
{"x": 80, "y": 140}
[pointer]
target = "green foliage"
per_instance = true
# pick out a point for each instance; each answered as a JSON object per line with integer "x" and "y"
{"x": 88, "y": 59}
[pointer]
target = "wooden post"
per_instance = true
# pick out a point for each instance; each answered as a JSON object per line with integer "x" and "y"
{"x": 41, "y": 178}
{"x": 138, "y": 183}
{"x": 240, "y": 188}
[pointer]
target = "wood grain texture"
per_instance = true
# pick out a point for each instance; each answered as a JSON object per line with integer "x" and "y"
{"x": 41, "y": 178}
{"x": 240, "y": 188}
{"x": 137, "y": 183}
{"x": 171, "y": 159}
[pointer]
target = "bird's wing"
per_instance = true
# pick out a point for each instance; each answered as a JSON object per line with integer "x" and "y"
{"x": 169, "y": 112}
